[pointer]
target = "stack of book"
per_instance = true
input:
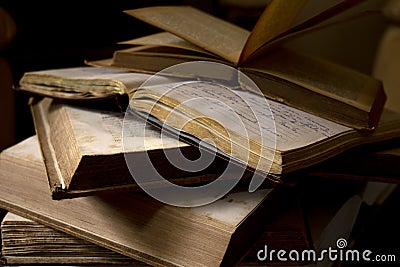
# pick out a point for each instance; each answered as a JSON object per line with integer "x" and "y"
{"x": 81, "y": 191}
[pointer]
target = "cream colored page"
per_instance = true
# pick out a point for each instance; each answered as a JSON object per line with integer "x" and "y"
{"x": 100, "y": 132}
{"x": 165, "y": 39}
{"x": 229, "y": 113}
{"x": 296, "y": 128}
{"x": 94, "y": 80}
{"x": 293, "y": 128}
{"x": 202, "y": 29}
{"x": 270, "y": 123}
{"x": 26, "y": 149}
{"x": 11, "y": 217}
{"x": 234, "y": 207}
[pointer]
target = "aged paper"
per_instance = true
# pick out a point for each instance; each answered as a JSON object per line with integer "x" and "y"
{"x": 165, "y": 39}
{"x": 100, "y": 132}
{"x": 265, "y": 121}
{"x": 198, "y": 28}
{"x": 321, "y": 76}
{"x": 276, "y": 19}
{"x": 242, "y": 125}
{"x": 79, "y": 82}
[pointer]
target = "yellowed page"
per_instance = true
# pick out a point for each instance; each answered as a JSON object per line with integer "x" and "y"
{"x": 200, "y": 28}
{"x": 28, "y": 150}
{"x": 165, "y": 39}
{"x": 276, "y": 19}
{"x": 234, "y": 208}
{"x": 294, "y": 128}
{"x": 80, "y": 82}
{"x": 274, "y": 26}
{"x": 242, "y": 124}
{"x": 26, "y": 241}
{"x": 321, "y": 76}
{"x": 100, "y": 132}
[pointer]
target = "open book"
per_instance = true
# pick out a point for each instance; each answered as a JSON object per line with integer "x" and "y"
{"x": 136, "y": 225}
{"x": 268, "y": 136}
{"x": 297, "y": 139}
{"x": 303, "y": 81}
{"x": 84, "y": 152}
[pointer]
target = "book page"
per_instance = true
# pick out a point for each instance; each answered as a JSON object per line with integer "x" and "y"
{"x": 275, "y": 24}
{"x": 321, "y": 76}
{"x": 83, "y": 81}
{"x": 233, "y": 208}
{"x": 13, "y": 217}
{"x": 165, "y": 39}
{"x": 296, "y": 128}
{"x": 30, "y": 145}
{"x": 266, "y": 122}
{"x": 276, "y": 19}
{"x": 100, "y": 132}
{"x": 204, "y": 30}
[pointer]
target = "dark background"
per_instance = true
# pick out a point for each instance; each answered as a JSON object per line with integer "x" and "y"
{"x": 57, "y": 34}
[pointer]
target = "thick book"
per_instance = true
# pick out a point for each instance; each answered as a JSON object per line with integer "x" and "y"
{"x": 267, "y": 136}
{"x": 85, "y": 149}
{"x": 27, "y": 242}
{"x": 134, "y": 224}
{"x": 301, "y": 80}
{"x": 333, "y": 216}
